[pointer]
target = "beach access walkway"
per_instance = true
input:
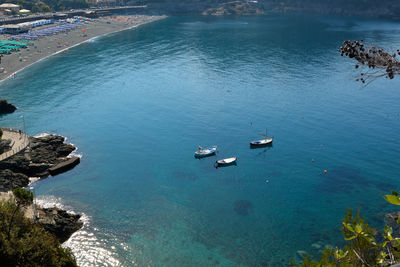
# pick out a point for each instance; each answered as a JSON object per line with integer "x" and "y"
{"x": 19, "y": 141}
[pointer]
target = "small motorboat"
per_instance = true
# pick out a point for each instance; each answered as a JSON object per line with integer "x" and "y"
{"x": 205, "y": 152}
{"x": 262, "y": 142}
{"x": 226, "y": 162}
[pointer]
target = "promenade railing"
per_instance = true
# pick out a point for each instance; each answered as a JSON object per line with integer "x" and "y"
{"x": 15, "y": 148}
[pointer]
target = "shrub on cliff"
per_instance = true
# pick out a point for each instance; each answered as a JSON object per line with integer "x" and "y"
{"x": 28, "y": 244}
{"x": 364, "y": 245}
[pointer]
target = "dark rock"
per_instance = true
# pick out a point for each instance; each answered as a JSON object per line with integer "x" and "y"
{"x": 391, "y": 220}
{"x": 64, "y": 150}
{"x": 44, "y": 153}
{"x": 49, "y": 148}
{"x": 347, "y": 179}
{"x": 5, "y": 146}
{"x": 242, "y": 207}
{"x": 59, "y": 222}
{"x": 6, "y": 107}
{"x": 64, "y": 166}
{"x": 10, "y": 180}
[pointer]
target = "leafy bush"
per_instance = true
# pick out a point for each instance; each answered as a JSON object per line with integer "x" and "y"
{"x": 363, "y": 247}
{"x": 23, "y": 243}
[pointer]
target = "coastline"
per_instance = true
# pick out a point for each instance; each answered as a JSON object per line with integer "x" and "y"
{"x": 114, "y": 26}
{"x": 63, "y": 224}
{"x": 45, "y": 153}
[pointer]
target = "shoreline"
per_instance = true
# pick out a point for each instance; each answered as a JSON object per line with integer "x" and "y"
{"x": 119, "y": 28}
{"x": 25, "y": 168}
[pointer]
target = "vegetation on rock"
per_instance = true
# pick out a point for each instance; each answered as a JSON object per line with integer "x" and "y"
{"x": 24, "y": 243}
{"x": 365, "y": 246}
{"x": 48, "y": 5}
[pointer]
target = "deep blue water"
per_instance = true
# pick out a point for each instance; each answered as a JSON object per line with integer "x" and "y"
{"x": 139, "y": 102}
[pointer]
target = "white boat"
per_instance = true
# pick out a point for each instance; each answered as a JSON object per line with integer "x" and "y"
{"x": 205, "y": 152}
{"x": 262, "y": 142}
{"x": 225, "y": 162}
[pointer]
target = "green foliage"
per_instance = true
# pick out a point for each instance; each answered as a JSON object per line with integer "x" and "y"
{"x": 22, "y": 196}
{"x": 394, "y": 198}
{"x": 363, "y": 247}
{"x": 48, "y": 5}
{"x": 35, "y": 9}
{"x": 44, "y": 8}
{"x": 330, "y": 258}
{"x": 28, "y": 244}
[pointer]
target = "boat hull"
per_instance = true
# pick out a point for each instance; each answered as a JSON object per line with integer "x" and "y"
{"x": 203, "y": 155}
{"x": 262, "y": 143}
{"x": 205, "y": 152}
{"x": 226, "y": 162}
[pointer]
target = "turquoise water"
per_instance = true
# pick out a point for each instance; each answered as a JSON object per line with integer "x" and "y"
{"x": 138, "y": 103}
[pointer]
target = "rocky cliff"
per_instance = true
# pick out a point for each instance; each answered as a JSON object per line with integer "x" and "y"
{"x": 59, "y": 222}
{"x": 45, "y": 153}
{"x": 205, "y": 7}
{"x": 366, "y": 8}
{"x": 6, "y": 107}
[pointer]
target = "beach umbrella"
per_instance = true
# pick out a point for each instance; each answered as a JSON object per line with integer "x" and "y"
{"x": 58, "y": 42}
{"x": 83, "y": 30}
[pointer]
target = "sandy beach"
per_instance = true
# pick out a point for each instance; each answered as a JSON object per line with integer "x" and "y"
{"x": 53, "y": 44}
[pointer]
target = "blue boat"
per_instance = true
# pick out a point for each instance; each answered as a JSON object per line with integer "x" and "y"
{"x": 205, "y": 152}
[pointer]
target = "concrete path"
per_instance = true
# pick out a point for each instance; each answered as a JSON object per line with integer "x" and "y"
{"x": 18, "y": 142}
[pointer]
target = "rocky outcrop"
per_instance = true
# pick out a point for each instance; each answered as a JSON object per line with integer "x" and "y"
{"x": 59, "y": 222}
{"x": 6, "y": 107}
{"x": 234, "y": 8}
{"x": 49, "y": 149}
{"x": 5, "y": 146}
{"x": 366, "y": 8}
{"x": 44, "y": 153}
{"x": 10, "y": 180}
{"x": 205, "y": 7}
{"x": 391, "y": 220}
{"x": 64, "y": 166}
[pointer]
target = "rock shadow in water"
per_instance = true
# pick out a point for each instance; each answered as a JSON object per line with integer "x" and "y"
{"x": 347, "y": 179}
{"x": 185, "y": 176}
{"x": 242, "y": 207}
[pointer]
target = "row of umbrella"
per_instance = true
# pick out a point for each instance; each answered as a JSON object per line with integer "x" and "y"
{"x": 33, "y": 35}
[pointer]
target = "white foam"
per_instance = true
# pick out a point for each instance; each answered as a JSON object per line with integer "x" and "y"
{"x": 84, "y": 244}
{"x": 73, "y": 153}
{"x": 41, "y": 135}
{"x": 94, "y": 39}
{"x": 33, "y": 180}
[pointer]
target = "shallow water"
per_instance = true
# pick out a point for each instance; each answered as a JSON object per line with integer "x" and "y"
{"x": 139, "y": 102}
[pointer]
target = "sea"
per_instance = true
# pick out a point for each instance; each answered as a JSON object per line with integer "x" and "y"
{"x": 138, "y": 103}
